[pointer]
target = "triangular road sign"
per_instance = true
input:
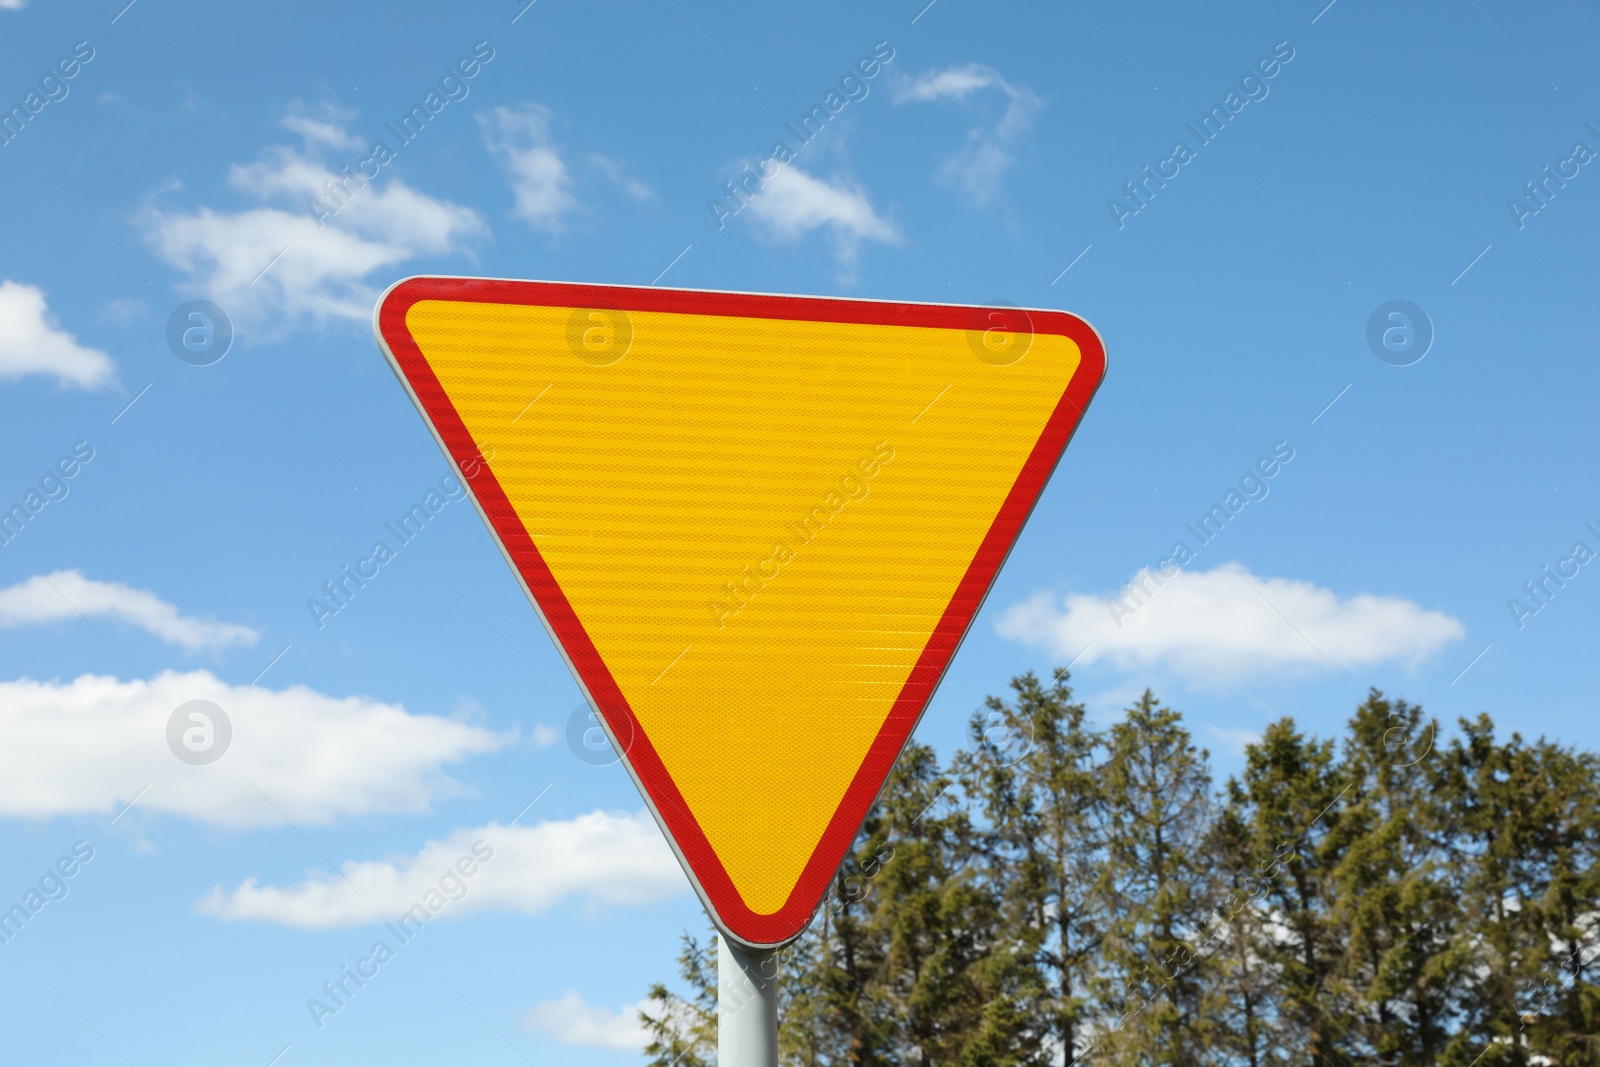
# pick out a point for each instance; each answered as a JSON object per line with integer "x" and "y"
{"x": 757, "y": 526}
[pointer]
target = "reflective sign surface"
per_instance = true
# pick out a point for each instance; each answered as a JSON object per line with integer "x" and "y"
{"x": 758, "y": 527}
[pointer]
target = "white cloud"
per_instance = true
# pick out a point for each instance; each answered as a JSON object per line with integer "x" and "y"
{"x": 574, "y": 1021}
{"x": 953, "y": 83}
{"x": 520, "y": 139}
{"x": 613, "y": 170}
{"x": 63, "y": 595}
{"x": 31, "y": 342}
{"x": 318, "y": 132}
{"x": 274, "y": 265}
{"x": 12, "y": 5}
{"x": 124, "y": 311}
{"x": 793, "y": 204}
{"x": 92, "y": 744}
{"x": 1227, "y": 623}
{"x": 982, "y": 163}
{"x": 605, "y": 857}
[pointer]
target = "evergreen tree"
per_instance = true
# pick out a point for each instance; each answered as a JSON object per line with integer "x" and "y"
{"x": 908, "y": 874}
{"x": 1564, "y": 1018}
{"x": 1157, "y": 979}
{"x": 1290, "y": 799}
{"x": 1525, "y": 820}
{"x": 864, "y": 981}
{"x": 952, "y": 972}
{"x": 1492, "y": 789}
{"x": 1032, "y": 775}
{"x": 1247, "y": 1029}
{"x": 683, "y": 1030}
{"x": 807, "y": 1032}
{"x": 1394, "y": 902}
{"x": 845, "y": 978}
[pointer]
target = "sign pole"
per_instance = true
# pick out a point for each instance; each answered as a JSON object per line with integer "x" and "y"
{"x": 747, "y": 1005}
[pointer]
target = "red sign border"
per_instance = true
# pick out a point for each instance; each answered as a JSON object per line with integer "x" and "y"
{"x": 700, "y": 862}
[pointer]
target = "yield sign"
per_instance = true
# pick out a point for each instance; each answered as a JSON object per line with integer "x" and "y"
{"x": 757, "y": 526}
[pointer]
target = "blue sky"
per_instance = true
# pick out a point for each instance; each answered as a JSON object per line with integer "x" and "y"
{"x": 1378, "y": 162}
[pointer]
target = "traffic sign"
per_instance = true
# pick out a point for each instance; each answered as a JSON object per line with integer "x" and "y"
{"x": 757, "y": 526}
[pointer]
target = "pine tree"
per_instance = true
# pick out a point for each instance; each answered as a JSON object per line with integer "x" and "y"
{"x": 846, "y": 998}
{"x": 1564, "y": 1019}
{"x": 683, "y": 1030}
{"x": 1289, "y": 798}
{"x": 806, "y": 1036}
{"x": 1527, "y": 840}
{"x": 908, "y": 875}
{"x": 1157, "y": 961}
{"x": 1248, "y": 1027}
{"x": 951, "y": 970}
{"x": 844, "y": 981}
{"x": 1394, "y": 903}
{"x": 1032, "y": 776}
{"x": 1492, "y": 789}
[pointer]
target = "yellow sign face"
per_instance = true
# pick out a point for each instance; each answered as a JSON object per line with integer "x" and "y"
{"x": 757, "y": 526}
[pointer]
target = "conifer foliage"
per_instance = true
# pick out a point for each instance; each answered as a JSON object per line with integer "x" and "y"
{"x": 1062, "y": 894}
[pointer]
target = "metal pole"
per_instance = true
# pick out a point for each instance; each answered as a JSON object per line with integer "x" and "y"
{"x": 747, "y": 1006}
